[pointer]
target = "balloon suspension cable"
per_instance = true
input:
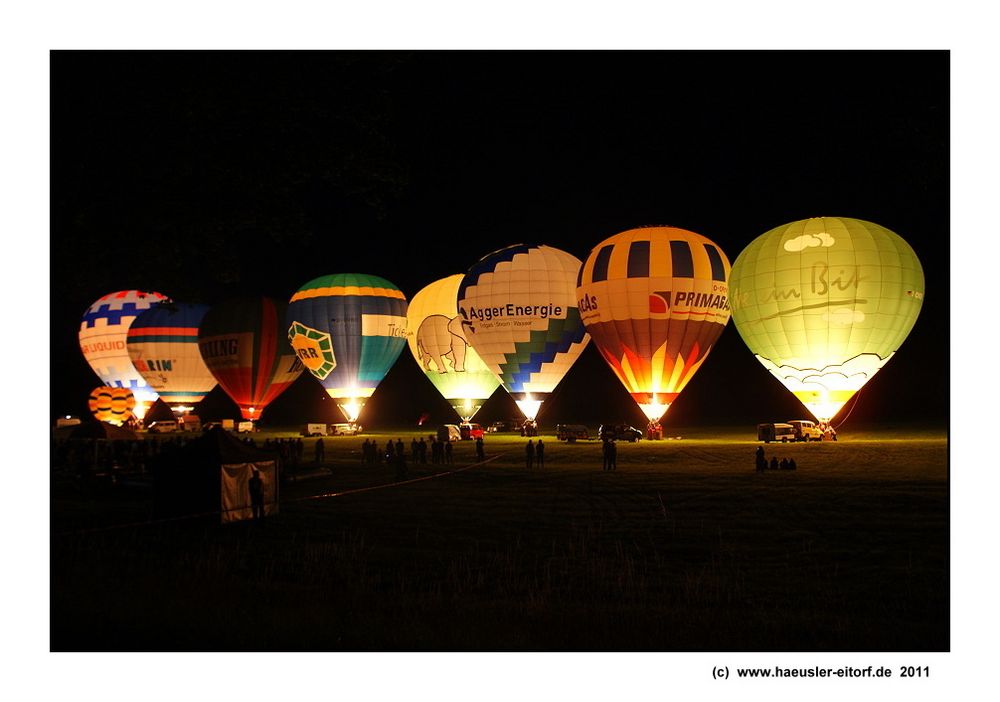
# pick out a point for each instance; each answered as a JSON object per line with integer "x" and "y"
{"x": 854, "y": 403}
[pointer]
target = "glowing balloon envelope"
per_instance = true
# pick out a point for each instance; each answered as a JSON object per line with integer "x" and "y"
{"x": 103, "y": 333}
{"x": 824, "y": 303}
{"x": 163, "y": 346}
{"x": 519, "y": 312}
{"x": 655, "y": 300}
{"x": 245, "y": 346}
{"x": 436, "y": 338}
{"x": 348, "y": 329}
{"x": 111, "y": 405}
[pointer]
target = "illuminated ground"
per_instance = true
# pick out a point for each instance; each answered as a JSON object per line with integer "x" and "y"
{"x": 685, "y": 547}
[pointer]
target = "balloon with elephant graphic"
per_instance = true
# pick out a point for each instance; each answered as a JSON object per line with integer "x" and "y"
{"x": 103, "y": 333}
{"x": 519, "y": 312}
{"x": 437, "y": 341}
{"x": 348, "y": 329}
{"x": 655, "y": 301}
{"x": 824, "y": 303}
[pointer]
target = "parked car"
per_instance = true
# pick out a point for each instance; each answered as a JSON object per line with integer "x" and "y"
{"x": 618, "y": 432}
{"x": 571, "y": 432}
{"x": 505, "y": 425}
{"x": 163, "y": 426}
{"x": 469, "y": 430}
{"x": 345, "y": 429}
{"x": 449, "y": 432}
{"x": 190, "y": 422}
{"x": 806, "y": 430}
{"x": 246, "y": 425}
{"x": 775, "y": 431}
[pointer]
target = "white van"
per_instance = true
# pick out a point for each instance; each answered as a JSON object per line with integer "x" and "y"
{"x": 314, "y": 429}
{"x": 163, "y": 426}
{"x": 775, "y": 431}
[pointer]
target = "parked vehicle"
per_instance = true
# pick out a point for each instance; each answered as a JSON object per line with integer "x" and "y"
{"x": 163, "y": 426}
{"x": 775, "y": 431}
{"x": 246, "y": 425}
{"x": 67, "y": 422}
{"x": 571, "y": 432}
{"x": 344, "y": 429}
{"x": 619, "y": 432}
{"x": 806, "y": 430}
{"x": 190, "y": 422}
{"x": 314, "y": 429}
{"x": 505, "y": 425}
{"x": 449, "y": 432}
{"x": 468, "y": 430}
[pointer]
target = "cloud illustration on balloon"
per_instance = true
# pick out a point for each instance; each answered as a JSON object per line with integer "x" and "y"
{"x": 808, "y": 241}
{"x": 845, "y": 376}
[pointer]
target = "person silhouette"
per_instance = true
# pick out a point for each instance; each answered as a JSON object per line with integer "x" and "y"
{"x": 529, "y": 454}
{"x": 256, "y": 487}
{"x": 540, "y": 454}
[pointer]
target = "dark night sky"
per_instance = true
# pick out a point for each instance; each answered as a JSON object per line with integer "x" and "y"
{"x": 205, "y": 175}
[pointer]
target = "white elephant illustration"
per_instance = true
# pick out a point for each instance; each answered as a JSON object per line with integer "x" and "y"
{"x": 440, "y": 337}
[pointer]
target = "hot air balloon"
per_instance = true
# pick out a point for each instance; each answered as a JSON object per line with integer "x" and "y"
{"x": 348, "y": 329}
{"x": 163, "y": 346}
{"x": 436, "y": 338}
{"x": 824, "y": 303}
{"x": 112, "y": 405}
{"x": 103, "y": 331}
{"x": 519, "y": 312}
{"x": 655, "y": 300}
{"x": 245, "y": 346}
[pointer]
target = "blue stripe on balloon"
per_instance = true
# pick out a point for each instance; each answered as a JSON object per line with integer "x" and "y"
{"x": 488, "y": 263}
{"x": 114, "y": 317}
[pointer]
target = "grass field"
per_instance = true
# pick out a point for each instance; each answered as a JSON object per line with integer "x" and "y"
{"x": 685, "y": 547}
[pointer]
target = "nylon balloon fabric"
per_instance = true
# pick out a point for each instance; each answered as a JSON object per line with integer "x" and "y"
{"x": 519, "y": 312}
{"x": 244, "y": 344}
{"x": 824, "y": 303}
{"x": 103, "y": 336}
{"x": 655, "y": 300}
{"x": 437, "y": 340}
{"x": 348, "y": 329}
{"x": 163, "y": 346}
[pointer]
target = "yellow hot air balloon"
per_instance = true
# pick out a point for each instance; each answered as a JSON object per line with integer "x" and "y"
{"x": 824, "y": 303}
{"x": 112, "y": 405}
{"x": 437, "y": 340}
{"x": 655, "y": 300}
